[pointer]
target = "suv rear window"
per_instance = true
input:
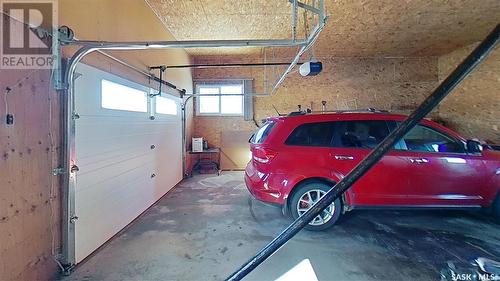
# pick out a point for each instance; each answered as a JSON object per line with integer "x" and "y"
{"x": 261, "y": 135}
{"x": 312, "y": 134}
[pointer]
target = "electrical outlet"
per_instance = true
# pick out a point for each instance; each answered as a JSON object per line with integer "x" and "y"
{"x": 9, "y": 119}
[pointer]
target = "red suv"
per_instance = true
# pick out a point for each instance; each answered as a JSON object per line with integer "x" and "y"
{"x": 298, "y": 158}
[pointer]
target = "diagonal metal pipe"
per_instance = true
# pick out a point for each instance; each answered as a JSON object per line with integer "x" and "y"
{"x": 469, "y": 64}
{"x": 310, "y": 41}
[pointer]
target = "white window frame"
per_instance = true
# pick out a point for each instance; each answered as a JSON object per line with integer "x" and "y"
{"x": 219, "y": 85}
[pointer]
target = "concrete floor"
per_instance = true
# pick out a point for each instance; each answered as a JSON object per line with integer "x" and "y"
{"x": 208, "y": 226}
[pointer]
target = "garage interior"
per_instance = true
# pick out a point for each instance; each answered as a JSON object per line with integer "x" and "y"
{"x": 144, "y": 209}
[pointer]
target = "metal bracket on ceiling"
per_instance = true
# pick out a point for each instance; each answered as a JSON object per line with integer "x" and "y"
{"x": 311, "y": 39}
{"x": 306, "y": 6}
{"x": 162, "y": 69}
{"x": 63, "y": 33}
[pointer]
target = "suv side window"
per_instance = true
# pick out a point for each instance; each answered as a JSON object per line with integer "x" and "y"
{"x": 312, "y": 134}
{"x": 360, "y": 133}
{"x": 425, "y": 139}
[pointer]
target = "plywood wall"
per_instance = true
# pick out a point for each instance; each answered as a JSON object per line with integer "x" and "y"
{"x": 474, "y": 107}
{"x": 395, "y": 84}
{"x": 29, "y": 193}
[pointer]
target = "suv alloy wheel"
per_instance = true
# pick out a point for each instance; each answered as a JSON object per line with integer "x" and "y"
{"x": 306, "y": 196}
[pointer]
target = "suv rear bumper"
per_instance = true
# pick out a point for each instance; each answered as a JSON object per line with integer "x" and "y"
{"x": 259, "y": 185}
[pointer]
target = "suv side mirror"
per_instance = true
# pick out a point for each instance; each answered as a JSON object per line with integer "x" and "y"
{"x": 474, "y": 146}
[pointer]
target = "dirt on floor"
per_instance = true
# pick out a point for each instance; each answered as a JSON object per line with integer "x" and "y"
{"x": 208, "y": 226}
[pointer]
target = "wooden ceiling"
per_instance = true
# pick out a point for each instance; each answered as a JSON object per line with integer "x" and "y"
{"x": 355, "y": 27}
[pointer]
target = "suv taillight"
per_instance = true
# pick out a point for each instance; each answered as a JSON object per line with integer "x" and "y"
{"x": 263, "y": 155}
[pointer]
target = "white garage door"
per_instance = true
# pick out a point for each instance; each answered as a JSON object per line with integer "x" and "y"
{"x": 126, "y": 159}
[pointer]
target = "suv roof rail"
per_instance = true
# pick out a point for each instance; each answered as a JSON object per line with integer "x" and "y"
{"x": 365, "y": 110}
{"x": 369, "y": 109}
{"x": 296, "y": 113}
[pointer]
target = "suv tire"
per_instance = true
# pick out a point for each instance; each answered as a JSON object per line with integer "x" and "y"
{"x": 307, "y": 194}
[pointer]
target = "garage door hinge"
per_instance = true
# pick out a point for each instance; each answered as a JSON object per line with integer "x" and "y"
{"x": 74, "y": 168}
{"x": 57, "y": 171}
{"x": 73, "y": 219}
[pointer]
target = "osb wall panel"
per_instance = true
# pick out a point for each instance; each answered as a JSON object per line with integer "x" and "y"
{"x": 235, "y": 155}
{"x": 29, "y": 194}
{"x": 473, "y": 108}
{"x": 396, "y": 84}
{"x": 354, "y": 28}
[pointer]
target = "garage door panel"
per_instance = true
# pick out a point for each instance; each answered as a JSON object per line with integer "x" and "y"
{"x": 87, "y": 103}
{"x": 118, "y": 154}
{"x": 103, "y": 128}
{"x": 104, "y": 191}
{"x": 100, "y": 212}
{"x": 120, "y": 175}
{"x": 106, "y": 129}
{"x": 113, "y": 154}
{"x": 94, "y": 175}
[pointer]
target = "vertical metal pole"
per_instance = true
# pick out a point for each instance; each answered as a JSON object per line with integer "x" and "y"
{"x": 69, "y": 161}
{"x": 364, "y": 166}
{"x": 184, "y": 132}
{"x": 161, "y": 82}
{"x": 266, "y": 83}
{"x": 294, "y": 20}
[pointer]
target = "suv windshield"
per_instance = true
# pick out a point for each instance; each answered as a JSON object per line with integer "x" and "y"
{"x": 261, "y": 135}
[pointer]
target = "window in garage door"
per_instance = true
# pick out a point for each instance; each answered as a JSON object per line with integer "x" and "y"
{"x": 164, "y": 105}
{"x": 121, "y": 97}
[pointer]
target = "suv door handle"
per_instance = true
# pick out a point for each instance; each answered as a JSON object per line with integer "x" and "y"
{"x": 343, "y": 157}
{"x": 419, "y": 161}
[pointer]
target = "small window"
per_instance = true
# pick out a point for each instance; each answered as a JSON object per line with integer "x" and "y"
{"x": 165, "y": 106}
{"x": 261, "y": 135}
{"x": 312, "y": 134}
{"x": 361, "y": 134}
{"x": 120, "y": 97}
{"x": 211, "y": 103}
{"x": 226, "y": 99}
{"x": 424, "y": 139}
